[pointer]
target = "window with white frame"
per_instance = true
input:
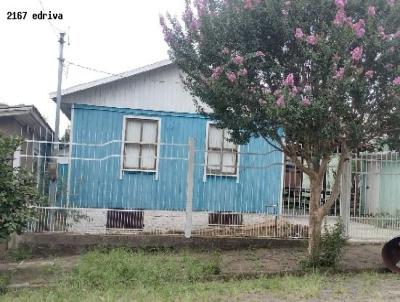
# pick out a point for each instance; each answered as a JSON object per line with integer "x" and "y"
{"x": 140, "y": 144}
{"x": 222, "y": 155}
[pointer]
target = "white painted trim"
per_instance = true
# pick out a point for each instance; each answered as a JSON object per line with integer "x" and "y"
{"x": 113, "y": 78}
{"x": 140, "y": 117}
{"x": 205, "y": 174}
{"x": 70, "y": 149}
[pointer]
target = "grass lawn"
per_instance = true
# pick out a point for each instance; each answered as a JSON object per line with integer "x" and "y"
{"x": 124, "y": 275}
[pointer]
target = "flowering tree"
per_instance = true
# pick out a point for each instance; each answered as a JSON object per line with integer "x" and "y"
{"x": 309, "y": 76}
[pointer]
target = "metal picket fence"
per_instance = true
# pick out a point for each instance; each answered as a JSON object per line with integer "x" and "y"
{"x": 194, "y": 192}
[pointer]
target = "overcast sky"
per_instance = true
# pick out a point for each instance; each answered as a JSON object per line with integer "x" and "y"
{"x": 108, "y": 35}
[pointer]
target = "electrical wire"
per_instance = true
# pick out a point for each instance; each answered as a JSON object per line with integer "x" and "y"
{"x": 69, "y": 63}
{"x": 55, "y": 29}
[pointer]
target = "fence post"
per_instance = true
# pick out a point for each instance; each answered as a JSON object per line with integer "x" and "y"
{"x": 345, "y": 196}
{"x": 189, "y": 188}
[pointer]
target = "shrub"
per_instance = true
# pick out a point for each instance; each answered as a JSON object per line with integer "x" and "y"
{"x": 18, "y": 191}
{"x": 330, "y": 248}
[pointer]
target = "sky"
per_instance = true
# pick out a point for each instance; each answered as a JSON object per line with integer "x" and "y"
{"x": 107, "y": 35}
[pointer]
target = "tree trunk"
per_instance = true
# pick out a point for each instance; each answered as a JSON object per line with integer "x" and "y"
{"x": 316, "y": 215}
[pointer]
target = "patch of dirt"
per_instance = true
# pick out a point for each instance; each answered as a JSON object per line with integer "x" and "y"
{"x": 37, "y": 271}
{"x": 236, "y": 262}
{"x": 277, "y": 260}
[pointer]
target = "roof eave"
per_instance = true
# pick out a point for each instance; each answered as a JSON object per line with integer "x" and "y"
{"x": 88, "y": 85}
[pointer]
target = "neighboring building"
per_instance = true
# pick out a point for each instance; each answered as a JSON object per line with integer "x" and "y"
{"x": 378, "y": 184}
{"x": 26, "y": 122}
{"x": 129, "y": 136}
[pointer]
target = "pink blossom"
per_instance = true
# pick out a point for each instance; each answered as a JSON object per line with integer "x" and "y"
{"x": 299, "y": 33}
{"x": 312, "y": 39}
{"x": 217, "y": 71}
{"x": 305, "y": 101}
{"x": 289, "y": 80}
{"x": 371, "y": 11}
{"x": 340, "y": 3}
{"x": 359, "y": 28}
{"x": 381, "y": 31}
{"x": 396, "y": 81}
{"x": 201, "y": 6}
{"x": 195, "y": 25}
{"x": 397, "y": 35}
{"x": 356, "y": 53}
{"x": 187, "y": 15}
{"x": 369, "y": 74}
{"x": 295, "y": 90}
{"x": 259, "y": 53}
{"x": 238, "y": 60}
{"x": 242, "y": 72}
{"x": 391, "y": 3}
{"x": 248, "y": 4}
{"x": 392, "y": 49}
{"x": 280, "y": 102}
{"x": 340, "y": 17}
{"x": 231, "y": 76}
{"x": 339, "y": 73}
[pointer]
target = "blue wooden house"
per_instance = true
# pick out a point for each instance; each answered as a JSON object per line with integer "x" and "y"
{"x": 129, "y": 150}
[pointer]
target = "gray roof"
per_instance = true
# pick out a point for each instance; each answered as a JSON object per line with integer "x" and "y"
{"x": 113, "y": 78}
{"x": 27, "y": 115}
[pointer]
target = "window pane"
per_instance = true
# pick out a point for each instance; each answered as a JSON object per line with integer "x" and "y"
{"x": 131, "y": 156}
{"x": 229, "y": 163}
{"x": 214, "y": 161}
{"x": 132, "y": 132}
{"x": 214, "y": 137}
{"x": 227, "y": 144}
{"x": 148, "y": 160}
{"x": 149, "y": 134}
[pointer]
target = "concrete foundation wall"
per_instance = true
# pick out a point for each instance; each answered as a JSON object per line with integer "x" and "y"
{"x": 44, "y": 244}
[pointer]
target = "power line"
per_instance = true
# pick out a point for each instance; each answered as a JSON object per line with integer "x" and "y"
{"x": 55, "y": 29}
{"x": 90, "y": 68}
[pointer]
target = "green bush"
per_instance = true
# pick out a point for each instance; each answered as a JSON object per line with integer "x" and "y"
{"x": 18, "y": 191}
{"x": 330, "y": 248}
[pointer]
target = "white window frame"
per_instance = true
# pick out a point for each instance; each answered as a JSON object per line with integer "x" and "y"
{"x": 140, "y": 117}
{"x": 205, "y": 172}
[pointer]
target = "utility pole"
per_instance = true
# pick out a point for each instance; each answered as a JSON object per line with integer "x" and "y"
{"x": 53, "y": 167}
{"x": 59, "y": 82}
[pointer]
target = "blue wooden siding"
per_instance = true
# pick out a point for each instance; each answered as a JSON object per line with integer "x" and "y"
{"x": 97, "y": 183}
{"x": 62, "y": 184}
